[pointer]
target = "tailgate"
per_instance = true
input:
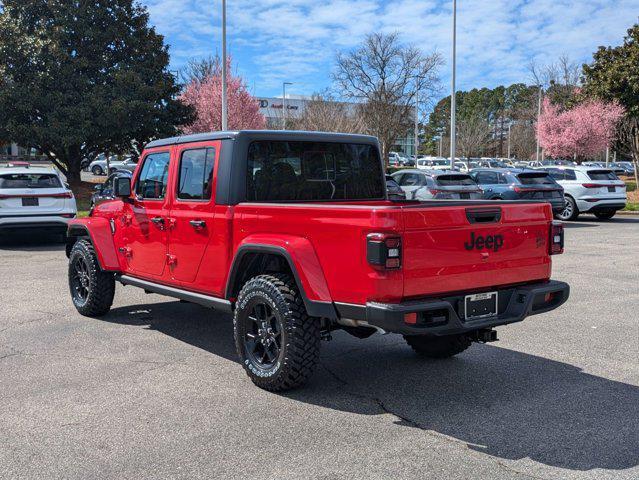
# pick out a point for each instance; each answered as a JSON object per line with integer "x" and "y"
{"x": 455, "y": 247}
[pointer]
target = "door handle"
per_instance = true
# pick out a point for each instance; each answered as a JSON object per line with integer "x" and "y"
{"x": 198, "y": 224}
{"x": 159, "y": 221}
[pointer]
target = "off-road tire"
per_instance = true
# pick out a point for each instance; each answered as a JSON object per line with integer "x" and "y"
{"x": 300, "y": 335}
{"x": 570, "y": 212}
{"x": 100, "y": 287}
{"x": 438, "y": 347}
{"x": 97, "y": 170}
{"x": 606, "y": 215}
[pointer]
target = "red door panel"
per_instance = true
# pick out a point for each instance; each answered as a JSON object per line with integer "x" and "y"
{"x": 192, "y": 211}
{"x": 144, "y": 220}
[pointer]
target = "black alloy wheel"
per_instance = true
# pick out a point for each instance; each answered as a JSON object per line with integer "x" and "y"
{"x": 263, "y": 335}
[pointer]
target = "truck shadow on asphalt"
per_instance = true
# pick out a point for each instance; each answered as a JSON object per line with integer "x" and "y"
{"x": 31, "y": 242}
{"x": 500, "y": 402}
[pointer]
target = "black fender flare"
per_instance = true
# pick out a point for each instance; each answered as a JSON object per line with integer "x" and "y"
{"x": 314, "y": 308}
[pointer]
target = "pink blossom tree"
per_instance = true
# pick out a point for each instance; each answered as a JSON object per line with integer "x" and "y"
{"x": 580, "y": 132}
{"x": 205, "y": 95}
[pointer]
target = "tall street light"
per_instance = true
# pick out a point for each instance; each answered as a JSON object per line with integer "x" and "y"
{"x": 541, "y": 92}
{"x": 225, "y": 114}
{"x": 416, "y": 121}
{"x": 453, "y": 132}
{"x": 284, "y": 84}
{"x": 510, "y": 124}
{"x": 417, "y": 82}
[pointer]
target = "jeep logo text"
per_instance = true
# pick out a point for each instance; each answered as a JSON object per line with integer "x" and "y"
{"x": 489, "y": 242}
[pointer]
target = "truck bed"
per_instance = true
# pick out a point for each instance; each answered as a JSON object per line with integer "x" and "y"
{"x": 435, "y": 236}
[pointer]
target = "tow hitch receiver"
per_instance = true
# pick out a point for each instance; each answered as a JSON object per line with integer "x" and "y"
{"x": 484, "y": 336}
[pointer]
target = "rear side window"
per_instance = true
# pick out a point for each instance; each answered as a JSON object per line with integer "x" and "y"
{"x": 152, "y": 182}
{"x": 28, "y": 180}
{"x": 453, "y": 180}
{"x": 196, "y": 174}
{"x": 535, "y": 179}
{"x": 602, "y": 175}
{"x": 281, "y": 171}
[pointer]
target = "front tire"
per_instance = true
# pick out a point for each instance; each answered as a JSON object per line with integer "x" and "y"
{"x": 277, "y": 342}
{"x": 92, "y": 290}
{"x": 97, "y": 170}
{"x": 570, "y": 211}
{"x": 605, "y": 215}
{"x": 438, "y": 347}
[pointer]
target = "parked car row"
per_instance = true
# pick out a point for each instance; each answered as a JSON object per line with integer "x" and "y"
{"x": 99, "y": 166}
{"x": 571, "y": 190}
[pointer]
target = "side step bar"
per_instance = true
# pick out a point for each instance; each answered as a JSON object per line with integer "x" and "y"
{"x": 199, "y": 298}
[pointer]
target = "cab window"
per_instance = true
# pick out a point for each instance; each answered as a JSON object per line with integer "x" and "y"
{"x": 152, "y": 182}
{"x": 195, "y": 180}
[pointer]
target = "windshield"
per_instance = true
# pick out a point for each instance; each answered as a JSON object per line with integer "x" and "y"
{"x": 602, "y": 175}
{"x": 30, "y": 180}
{"x": 451, "y": 180}
{"x": 535, "y": 179}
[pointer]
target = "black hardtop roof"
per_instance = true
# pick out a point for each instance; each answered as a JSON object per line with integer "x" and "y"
{"x": 287, "y": 135}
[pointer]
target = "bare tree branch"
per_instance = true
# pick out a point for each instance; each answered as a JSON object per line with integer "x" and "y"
{"x": 384, "y": 76}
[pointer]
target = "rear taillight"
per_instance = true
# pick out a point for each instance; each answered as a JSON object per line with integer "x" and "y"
{"x": 525, "y": 189}
{"x": 434, "y": 191}
{"x": 68, "y": 215}
{"x": 556, "y": 238}
{"x": 384, "y": 250}
{"x": 62, "y": 195}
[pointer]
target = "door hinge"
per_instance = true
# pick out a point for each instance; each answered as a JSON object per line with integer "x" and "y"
{"x": 126, "y": 251}
{"x": 171, "y": 260}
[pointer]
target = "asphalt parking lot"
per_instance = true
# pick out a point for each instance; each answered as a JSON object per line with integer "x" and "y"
{"x": 153, "y": 390}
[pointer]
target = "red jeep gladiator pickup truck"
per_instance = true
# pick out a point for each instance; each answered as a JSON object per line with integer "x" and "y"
{"x": 293, "y": 233}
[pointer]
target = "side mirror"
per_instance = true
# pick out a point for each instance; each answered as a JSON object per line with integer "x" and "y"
{"x": 122, "y": 187}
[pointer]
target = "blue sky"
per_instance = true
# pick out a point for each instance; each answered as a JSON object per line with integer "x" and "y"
{"x": 272, "y": 41}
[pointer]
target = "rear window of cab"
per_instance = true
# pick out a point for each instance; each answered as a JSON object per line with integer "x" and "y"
{"x": 297, "y": 171}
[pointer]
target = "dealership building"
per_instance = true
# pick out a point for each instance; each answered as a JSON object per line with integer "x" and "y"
{"x": 273, "y": 110}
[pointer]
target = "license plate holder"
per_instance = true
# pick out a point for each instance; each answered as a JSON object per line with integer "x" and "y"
{"x": 30, "y": 202}
{"x": 480, "y": 305}
{"x": 612, "y": 189}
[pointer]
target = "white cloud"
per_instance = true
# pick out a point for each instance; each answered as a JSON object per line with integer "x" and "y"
{"x": 296, "y": 40}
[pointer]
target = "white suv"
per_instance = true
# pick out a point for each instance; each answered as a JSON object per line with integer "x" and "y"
{"x": 34, "y": 198}
{"x": 589, "y": 190}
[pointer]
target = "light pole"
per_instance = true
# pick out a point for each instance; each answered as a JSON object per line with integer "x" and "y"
{"x": 510, "y": 124}
{"x": 416, "y": 122}
{"x": 441, "y": 145}
{"x": 284, "y": 84}
{"x": 418, "y": 79}
{"x": 538, "y": 116}
{"x": 453, "y": 132}
{"x": 225, "y": 120}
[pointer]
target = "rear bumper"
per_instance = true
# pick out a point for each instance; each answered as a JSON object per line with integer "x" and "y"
{"x": 44, "y": 222}
{"x": 596, "y": 205}
{"x": 445, "y": 316}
